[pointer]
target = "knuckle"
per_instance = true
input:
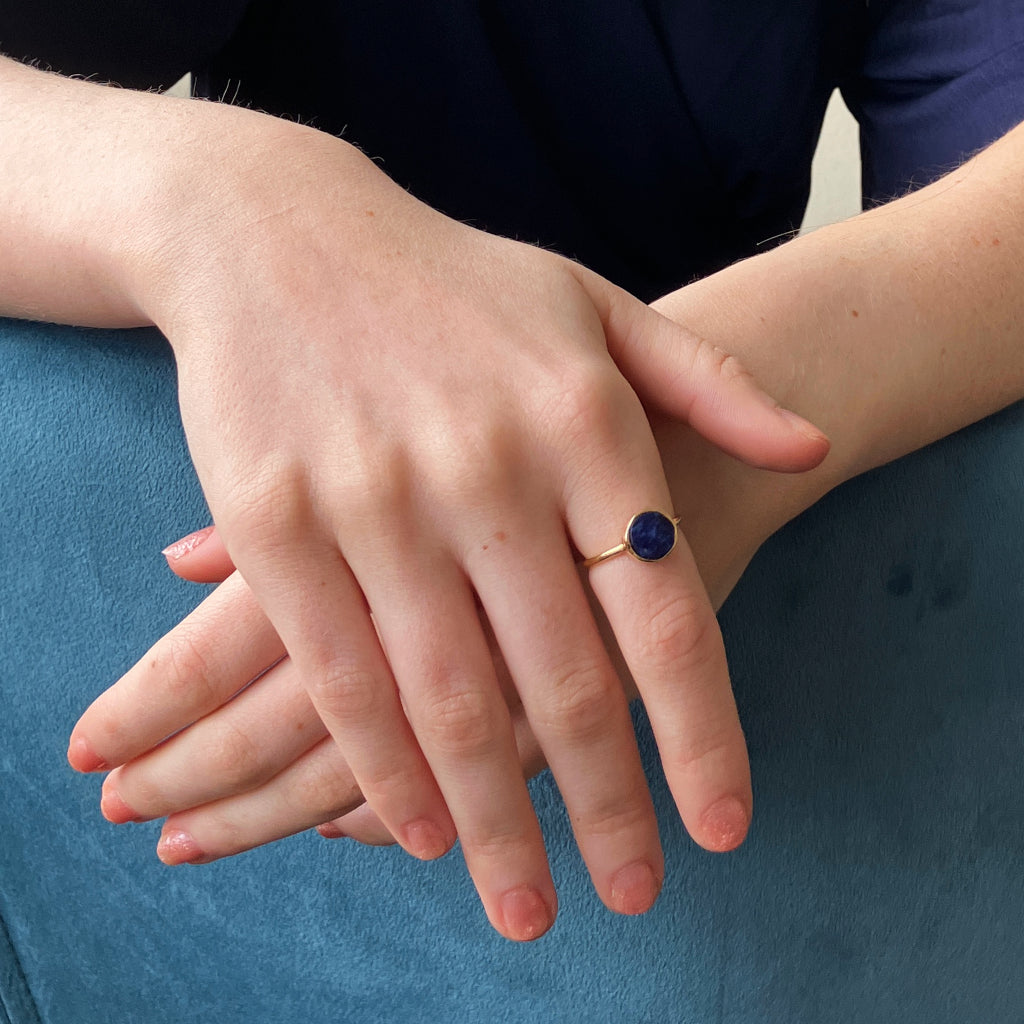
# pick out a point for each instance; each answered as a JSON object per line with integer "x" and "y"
{"x": 185, "y": 672}
{"x": 257, "y": 513}
{"x": 682, "y": 635}
{"x": 578, "y": 703}
{"x": 235, "y": 759}
{"x": 461, "y": 722}
{"x": 722, "y": 364}
{"x": 376, "y": 481}
{"x": 325, "y": 788}
{"x": 589, "y": 405}
{"x": 478, "y": 469}
{"x": 723, "y": 743}
{"x": 497, "y": 842}
{"x": 345, "y": 692}
{"x": 390, "y": 784}
{"x": 614, "y": 816}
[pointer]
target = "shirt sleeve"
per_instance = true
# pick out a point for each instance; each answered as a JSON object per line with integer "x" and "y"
{"x": 940, "y": 79}
{"x": 136, "y": 43}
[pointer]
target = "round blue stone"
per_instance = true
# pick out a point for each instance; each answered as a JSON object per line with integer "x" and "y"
{"x": 651, "y": 535}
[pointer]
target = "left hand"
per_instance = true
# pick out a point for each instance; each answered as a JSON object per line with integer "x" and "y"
{"x": 246, "y": 767}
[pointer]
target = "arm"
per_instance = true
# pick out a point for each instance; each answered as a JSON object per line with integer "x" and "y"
{"x": 893, "y": 329}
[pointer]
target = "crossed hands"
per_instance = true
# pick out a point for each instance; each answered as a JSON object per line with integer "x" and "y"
{"x": 407, "y": 441}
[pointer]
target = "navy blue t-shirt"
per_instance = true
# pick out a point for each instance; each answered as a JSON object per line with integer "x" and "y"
{"x": 653, "y": 140}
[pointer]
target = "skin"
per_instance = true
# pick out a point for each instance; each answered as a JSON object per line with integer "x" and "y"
{"x": 891, "y": 330}
{"x": 396, "y": 418}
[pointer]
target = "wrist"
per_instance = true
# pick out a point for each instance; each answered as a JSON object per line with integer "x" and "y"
{"x": 244, "y": 204}
{"x": 78, "y": 174}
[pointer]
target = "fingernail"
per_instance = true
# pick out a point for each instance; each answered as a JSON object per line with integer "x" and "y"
{"x": 83, "y": 758}
{"x": 115, "y": 810}
{"x": 724, "y": 825}
{"x": 331, "y": 831}
{"x": 525, "y": 914}
{"x": 802, "y": 426}
{"x": 635, "y": 887}
{"x": 178, "y": 847}
{"x": 423, "y": 839}
{"x": 182, "y": 547}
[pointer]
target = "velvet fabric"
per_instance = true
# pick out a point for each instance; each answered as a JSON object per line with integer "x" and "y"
{"x": 876, "y": 650}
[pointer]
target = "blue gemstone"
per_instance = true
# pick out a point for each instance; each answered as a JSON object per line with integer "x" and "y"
{"x": 651, "y": 536}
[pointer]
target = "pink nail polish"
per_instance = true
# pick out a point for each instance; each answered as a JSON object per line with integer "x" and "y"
{"x": 331, "y": 831}
{"x": 634, "y": 888}
{"x": 83, "y": 758}
{"x": 182, "y": 547}
{"x": 526, "y": 915}
{"x": 178, "y": 847}
{"x": 724, "y": 825}
{"x": 423, "y": 839}
{"x": 115, "y": 810}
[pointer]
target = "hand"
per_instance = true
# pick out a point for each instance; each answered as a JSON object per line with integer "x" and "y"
{"x": 392, "y": 412}
{"x": 260, "y": 766}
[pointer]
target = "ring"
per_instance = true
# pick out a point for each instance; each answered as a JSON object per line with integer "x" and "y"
{"x": 649, "y": 537}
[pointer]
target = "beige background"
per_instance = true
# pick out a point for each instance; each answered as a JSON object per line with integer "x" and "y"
{"x": 835, "y": 177}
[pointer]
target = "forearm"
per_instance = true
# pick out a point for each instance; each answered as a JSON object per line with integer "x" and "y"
{"x": 888, "y": 331}
{"x": 77, "y": 172}
{"x": 103, "y": 189}
{"x": 920, "y": 312}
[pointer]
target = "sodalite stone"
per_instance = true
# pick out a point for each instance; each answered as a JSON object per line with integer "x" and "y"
{"x": 651, "y": 536}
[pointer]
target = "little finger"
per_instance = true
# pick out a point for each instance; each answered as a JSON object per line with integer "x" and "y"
{"x": 316, "y": 787}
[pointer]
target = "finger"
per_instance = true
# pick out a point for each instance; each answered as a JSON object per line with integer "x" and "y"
{"x": 200, "y": 557}
{"x": 364, "y": 826}
{"x": 670, "y": 640}
{"x": 454, "y": 703}
{"x": 666, "y": 629}
{"x": 574, "y": 702}
{"x": 206, "y": 659}
{"x": 311, "y": 595}
{"x": 231, "y": 751}
{"x": 281, "y": 807}
{"x": 711, "y": 390}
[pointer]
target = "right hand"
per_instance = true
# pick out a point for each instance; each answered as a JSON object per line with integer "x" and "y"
{"x": 262, "y": 766}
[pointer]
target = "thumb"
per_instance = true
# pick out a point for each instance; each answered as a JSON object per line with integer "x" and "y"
{"x": 686, "y": 376}
{"x": 200, "y": 557}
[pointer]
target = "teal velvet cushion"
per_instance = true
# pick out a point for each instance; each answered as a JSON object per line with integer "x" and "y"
{"x": 876, "y": 647}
